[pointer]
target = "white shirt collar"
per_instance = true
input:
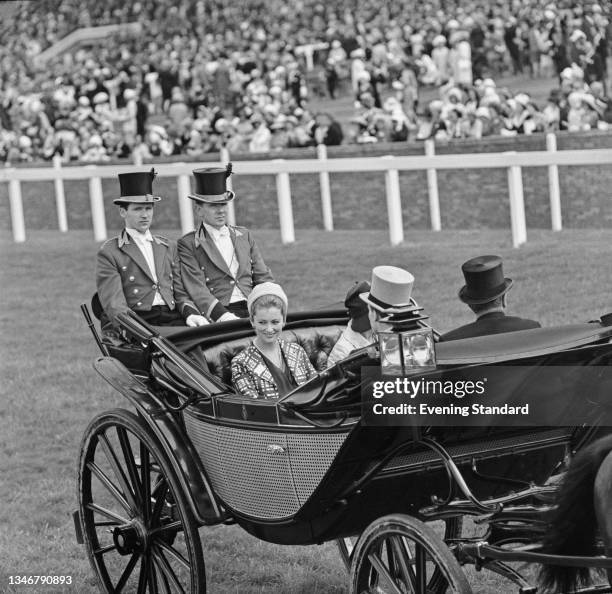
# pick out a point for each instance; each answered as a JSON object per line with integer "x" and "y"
{"x": 138, "y": 236}
{"x": 216, "y": 233}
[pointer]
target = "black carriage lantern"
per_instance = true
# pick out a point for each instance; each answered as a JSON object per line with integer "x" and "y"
{"x": 406, "y": 352}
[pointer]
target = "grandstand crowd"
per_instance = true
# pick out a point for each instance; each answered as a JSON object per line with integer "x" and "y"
{"x": 206, "y": 74}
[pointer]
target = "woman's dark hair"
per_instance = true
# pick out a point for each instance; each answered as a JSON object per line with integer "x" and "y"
{"x": 268, "y": 301}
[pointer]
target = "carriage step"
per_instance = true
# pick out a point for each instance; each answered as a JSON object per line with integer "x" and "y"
{"x": 76, "y": 518}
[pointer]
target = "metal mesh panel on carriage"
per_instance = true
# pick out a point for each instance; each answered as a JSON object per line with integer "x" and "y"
{"x": 255, "y": 479}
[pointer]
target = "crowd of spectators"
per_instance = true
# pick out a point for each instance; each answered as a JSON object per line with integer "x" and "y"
{"x": 206, "y": 74}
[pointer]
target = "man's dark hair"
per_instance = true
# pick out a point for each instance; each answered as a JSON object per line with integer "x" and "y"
{"x": 480, "y": 307}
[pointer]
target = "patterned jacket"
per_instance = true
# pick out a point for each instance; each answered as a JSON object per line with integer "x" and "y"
{"x": 251, "y": 376}
{"x": 206, "y": 277}
{"x": 124, "y": 281}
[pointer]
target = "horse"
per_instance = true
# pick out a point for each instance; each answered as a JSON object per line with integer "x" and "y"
{"x": 583, "y": 509}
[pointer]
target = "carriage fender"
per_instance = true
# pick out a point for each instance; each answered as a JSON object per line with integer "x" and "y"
{"x": 178, "y": 449}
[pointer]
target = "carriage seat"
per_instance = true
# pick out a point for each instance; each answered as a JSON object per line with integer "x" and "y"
{"x": 317, "y": 342}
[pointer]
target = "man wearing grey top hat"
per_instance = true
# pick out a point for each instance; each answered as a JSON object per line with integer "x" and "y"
{"x": 389, "y": 299}
{"x": 220, "y": 264}
{"x": 138, "y": 270}
{"x": 485, "y": 292}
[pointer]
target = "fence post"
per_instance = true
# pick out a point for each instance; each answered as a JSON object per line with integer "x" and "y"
{"x": 553, "y": 185}
{"x": 17, "y": 220}
{"x": 285, "y": 210}
{"x": 60, "y": 198}
{"x": 231, "y": 213}
{"x": 432, "y": 187}
{"x": 185, "y": 205}
{"x": 394, "y": 205}
{"x": 97, "y": 205}
{"x": 137, "y": 158}
{"x": 517, "y": 204}
{"x": 308, "y": 54}
{"x": 326, "y": 206}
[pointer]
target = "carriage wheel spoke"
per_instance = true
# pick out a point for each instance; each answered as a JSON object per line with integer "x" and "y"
{"x": 142, "y": 577}
{"x": 163, "y": 581}
{"x": 174, "y": 554}
{"x": 382, "y": 571}
{"x": 401, "y": 553}
{"x": 118, "y": 471}
{"x": 167, "y": 571}
{"x": 107, "y": 523}
{"x": 110, "y": 486}
{"x": 152, "y": 579}
{"x": 127, "y": 572}
{"x": 117, "y": 519}
{"x": 178, "y": 526}
{"x": 421, "y": 568}
{"x": 165, "y": 585}
{"x": 130, "y": 463}
{"x": 103, "y": 550}
{"x": 145, "y": 473}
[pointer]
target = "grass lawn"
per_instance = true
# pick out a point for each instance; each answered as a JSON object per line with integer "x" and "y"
{"x": 50, "y": 392}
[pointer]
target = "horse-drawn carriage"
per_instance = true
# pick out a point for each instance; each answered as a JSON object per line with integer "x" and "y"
{"x": 305, "y": 469}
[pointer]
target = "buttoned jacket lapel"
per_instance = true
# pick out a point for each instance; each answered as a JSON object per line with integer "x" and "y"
{"x": 205, "y": 242}
{"x": 160, "y": 249}
{"x": 242, "y": 253}
{"x": 129, "y": 247}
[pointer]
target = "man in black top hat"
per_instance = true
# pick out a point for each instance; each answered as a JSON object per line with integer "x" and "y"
{"x": 137, "y": 270}
{"x": 220, "y": 264}
{"x": 485, "y": 292}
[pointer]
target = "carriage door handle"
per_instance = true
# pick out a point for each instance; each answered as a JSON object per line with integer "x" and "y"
{"x": 274, "y": 448}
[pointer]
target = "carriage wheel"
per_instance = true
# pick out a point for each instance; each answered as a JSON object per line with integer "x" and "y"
{"x": 399, "y": 554}
{"x": 139, "y": 530}
{"x": 447, "y": 529}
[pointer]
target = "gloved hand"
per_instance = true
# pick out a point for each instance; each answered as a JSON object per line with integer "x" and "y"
{"x": 196, "y": 320}
{"x": 227, "y": 316}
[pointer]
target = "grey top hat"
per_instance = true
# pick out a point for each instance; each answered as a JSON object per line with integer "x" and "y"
{"x": 137, "y": 188}
{"x": 391, "y": 291}
{"x": 210, "y": 185}
{"x": 484, "y": 280}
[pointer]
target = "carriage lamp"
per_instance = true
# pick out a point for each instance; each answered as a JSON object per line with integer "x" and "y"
{"x": 408, "y": 352}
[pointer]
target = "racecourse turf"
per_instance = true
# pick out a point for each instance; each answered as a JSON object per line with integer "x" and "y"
{"x": 49, "y": 391}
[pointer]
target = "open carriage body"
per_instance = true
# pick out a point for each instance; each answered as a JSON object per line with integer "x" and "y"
{"x": 306, "y": 470}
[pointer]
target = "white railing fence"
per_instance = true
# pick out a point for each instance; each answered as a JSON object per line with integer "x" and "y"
{"x": 513, "y": 162}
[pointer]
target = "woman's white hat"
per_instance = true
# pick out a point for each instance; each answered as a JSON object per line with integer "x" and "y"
{"x": 266, "y": 288}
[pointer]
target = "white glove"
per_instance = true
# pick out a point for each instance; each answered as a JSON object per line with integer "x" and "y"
{"x": 196, "y": 320}
{"x": 227, "y": 316}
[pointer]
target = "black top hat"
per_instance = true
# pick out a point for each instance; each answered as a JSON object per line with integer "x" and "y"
{"x": 137, "y": 188}
{"x": 210, "y": 185}
{"x": 484, "y": 280}
{"x": 357, "y": 307}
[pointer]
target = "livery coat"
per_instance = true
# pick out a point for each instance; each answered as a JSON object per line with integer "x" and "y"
{"x": 206, "y": 277}
{"x": 491, "y": 323}
{"x": 251, "y": 376}
{"x": 124, "y": 281}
